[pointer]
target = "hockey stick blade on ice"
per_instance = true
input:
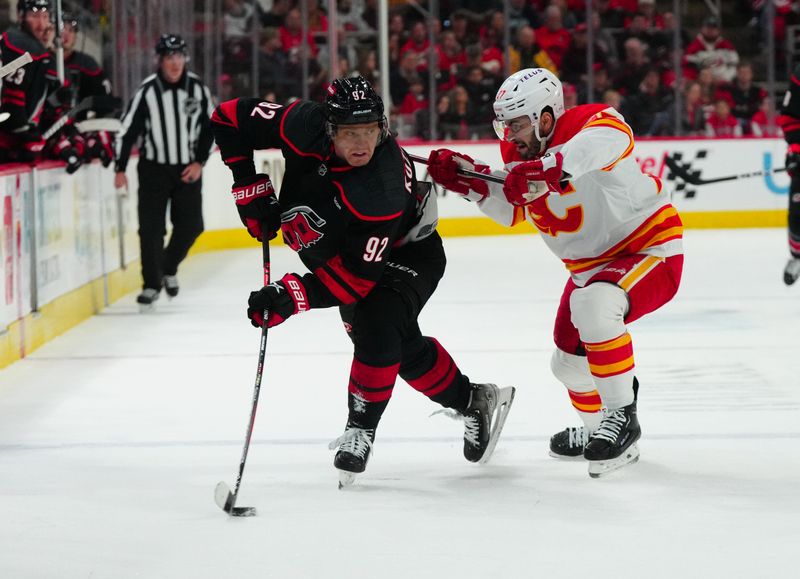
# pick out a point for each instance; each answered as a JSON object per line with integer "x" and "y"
{"x": 12, "y": 66}
{"x": 465, "y": 172}
{"x": 223, "y": 496}
{"x": 693, "y": 177}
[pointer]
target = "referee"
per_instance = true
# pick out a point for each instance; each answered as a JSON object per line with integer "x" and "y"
{"x": 170, "y": 113}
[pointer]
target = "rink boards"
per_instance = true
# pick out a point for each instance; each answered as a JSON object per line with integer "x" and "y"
{"x": 69, "y": 244}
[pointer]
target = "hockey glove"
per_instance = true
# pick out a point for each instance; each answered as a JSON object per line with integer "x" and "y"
{"x": 793, "y": 160}
{"x": 443, "y": 165}
{"x": 30, "y": 143}
{"x": 283, "y": 299}
{"x": 532, "y": 179}
{"x": 257, "y": 204}
{"x": 70, "y": 151}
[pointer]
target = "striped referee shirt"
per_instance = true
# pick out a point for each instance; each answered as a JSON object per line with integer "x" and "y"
{"x": 173, "y": 121}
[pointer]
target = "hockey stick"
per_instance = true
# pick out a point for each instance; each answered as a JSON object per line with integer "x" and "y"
{"x": 465, "y": 172}
{"x": 100, "y": 124}
{"x": 693, "y": 177}
{"x": 225, "y": 499}
{"x": 89, "y": 103}
{"x": 18, "y": 62}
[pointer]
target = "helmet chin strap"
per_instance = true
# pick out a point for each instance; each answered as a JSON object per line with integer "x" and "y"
{"x": 542, "y": 140}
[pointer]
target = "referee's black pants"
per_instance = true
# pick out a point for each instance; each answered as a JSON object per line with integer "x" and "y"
{"x": 160, "y": 186}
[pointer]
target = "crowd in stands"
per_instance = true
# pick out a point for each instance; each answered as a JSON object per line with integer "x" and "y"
{"x": 633, "y": 66}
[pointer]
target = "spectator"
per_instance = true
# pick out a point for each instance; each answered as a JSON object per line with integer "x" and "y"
{"x": 415, "y": 99}
{"x": 276, "y": 16}
{"x": 570, "y": 95}
{"x": 553, "y": 37}
{"x": 693, "y": 115}
{"x": 460, "y": 25}
{"x": 613, "y": 99}
{"x": 367, "y": 67}
{"x": 423, "y": 118}
{"x": 525, "y": 53}
{"x": 401, "y": 75}
{"x": 647, "y": 109}
{"x": 492, "y": 57}
{"x": 482, "y": 90}
{"x": 638, "y": 28}
{"x": 237, "y": 19}
{"x": 291, "y": 34}
{"x": 273, "y": 65}
{"x": 573, "y": 68}
{"x": 417, "y": 45}
{"x": 521, "y": 13}
{"x": 457, "y": 122}
{"x": 452, "y": 59}
{"x": 721, "y": 123}
{"x": 633, "y": 68}
{"x": 745, "y": 98}
{"x": 604, "y": 41}
{"x": 710, "y": 49}
{"x": 760, "y": 125}
{"x": 653, "y": 20}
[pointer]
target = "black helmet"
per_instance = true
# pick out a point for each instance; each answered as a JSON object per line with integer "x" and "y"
{"x": 170, "y": 44}
{"x": 33, "y": 5}
{"x": 70, "y": 19}
{"x": 352, "y": 101}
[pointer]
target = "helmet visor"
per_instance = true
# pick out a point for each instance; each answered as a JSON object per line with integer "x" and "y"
{"x": 519, "y": 128}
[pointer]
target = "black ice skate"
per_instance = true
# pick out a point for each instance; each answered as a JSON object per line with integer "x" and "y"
{"x": 171, "y": 285}
{"x": 147, "y": 299}
{"x": 792, "y": 271}
{"x": 613, "y": 444}
{"x": 355, "y": 447}
{"x": 569, "y": 443}
{"x": 484, "y": 419}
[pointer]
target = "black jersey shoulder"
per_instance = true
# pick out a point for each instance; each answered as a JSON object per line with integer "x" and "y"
{"x": 303, "y": 129}
{"x": 84, "y": 63}
{"x": 21, "y": 42}
{"x": 381, "y": 189}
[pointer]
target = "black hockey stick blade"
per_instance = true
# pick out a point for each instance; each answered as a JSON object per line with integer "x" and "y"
{"x": 225, "y": 500}
{"x": 465, "y": 172}
{"x": 693, "y": 177}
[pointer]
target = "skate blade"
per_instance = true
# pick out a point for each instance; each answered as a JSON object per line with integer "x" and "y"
{"x": 147, "y": 308}
{"x": 505, "y": 398}
{"x": 598, "y": 468}
{"x": 576, "y": 458}
{"x": 346, "y": 479}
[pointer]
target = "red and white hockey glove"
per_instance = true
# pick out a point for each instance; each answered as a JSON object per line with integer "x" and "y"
{"x": 793, "y": 160}
{"x": 283, "y": 299}
{"x": 546, "y": 169}
{"x": 257, "y": 206}
{"x": 443, "y": 165}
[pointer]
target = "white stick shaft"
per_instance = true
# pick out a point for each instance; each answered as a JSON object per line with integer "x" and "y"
{"x": 18, "y": 62}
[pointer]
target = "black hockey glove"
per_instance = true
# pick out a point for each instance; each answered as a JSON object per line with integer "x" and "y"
{"x": 793, "y": 160}
{"x": 258, "y": 206}
{"x": 283, "y": 299}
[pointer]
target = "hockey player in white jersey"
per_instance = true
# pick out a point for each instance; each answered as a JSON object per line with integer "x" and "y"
{"x": 573, "y": 176}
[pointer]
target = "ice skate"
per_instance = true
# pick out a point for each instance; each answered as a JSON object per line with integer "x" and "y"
{"x": 354, "y": 449}
{"x": 147, "y": 299}
{"x": 484, "y": 419}
{"x": 613, "y": 444}
{"x": 171, "y": 285}
{"x": 792, "y": 271}
{"x": 569, "y": 443}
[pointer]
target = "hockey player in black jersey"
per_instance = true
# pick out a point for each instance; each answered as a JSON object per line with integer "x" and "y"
{"x": 24, "y": 91}
{"x": 789, "y": 121}
{"x": 352, "y": 208}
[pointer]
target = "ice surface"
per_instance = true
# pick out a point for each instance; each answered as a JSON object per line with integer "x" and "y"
{"x": 113, "y": 436}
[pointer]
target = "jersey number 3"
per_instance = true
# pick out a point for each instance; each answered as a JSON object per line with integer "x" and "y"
{"x": 375, "y": 248}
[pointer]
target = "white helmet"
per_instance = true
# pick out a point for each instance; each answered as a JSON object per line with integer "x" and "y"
{"x": 528, "y": 92}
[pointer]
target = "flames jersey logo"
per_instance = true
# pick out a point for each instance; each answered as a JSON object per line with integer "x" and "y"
{"x": 301, "y": 227}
